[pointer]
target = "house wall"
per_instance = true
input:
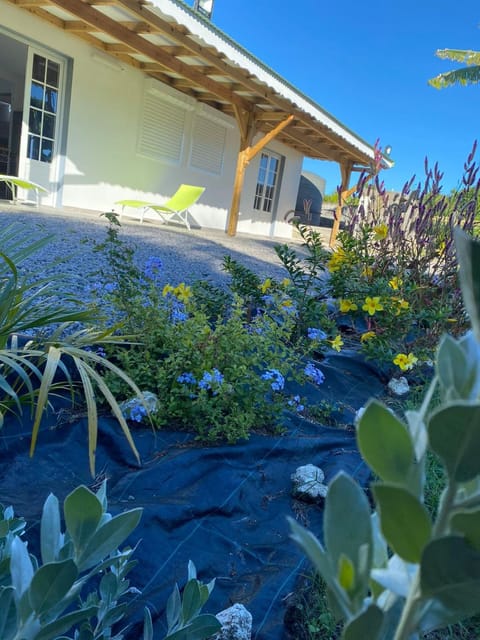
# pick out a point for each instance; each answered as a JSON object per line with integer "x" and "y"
{"x": 102, "y": 163}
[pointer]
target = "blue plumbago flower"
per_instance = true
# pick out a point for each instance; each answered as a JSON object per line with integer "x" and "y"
{"x": 278, "y": 381}
{"x": 211, "y": 379}
{"x": 296, "y": 404}
{"x": 177, "y": 312}
{"x": 315, "y": 375}
{"x": 137, "y": 412}
{"x": 186, "y": 378}
{"x": 268, "y": 299}
{"x": 100, "y": 351}
{"x": 152, "y": 268}
{"x": 316, "y": 334}
{"x": 95, "y": 287}
{"x": 110, "y": 287}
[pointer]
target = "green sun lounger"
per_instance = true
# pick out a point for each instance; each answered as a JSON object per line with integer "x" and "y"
{"x": 14, "y": 182}
{"x": 177, "y": 207}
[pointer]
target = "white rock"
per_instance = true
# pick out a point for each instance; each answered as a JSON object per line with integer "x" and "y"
{"x": 236, "y": 624}
{"x": 308, "y": 482}
{"x": 399, "y": 386}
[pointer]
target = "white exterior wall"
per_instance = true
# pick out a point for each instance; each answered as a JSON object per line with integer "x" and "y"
{"x": 102, "y": 163}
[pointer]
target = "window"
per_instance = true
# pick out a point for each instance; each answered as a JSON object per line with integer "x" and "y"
{"x": 267, "y": 181}
{"x": 208, "y": 145}
{"x": 43, "y": 109}
{"x": 162, "y": 128}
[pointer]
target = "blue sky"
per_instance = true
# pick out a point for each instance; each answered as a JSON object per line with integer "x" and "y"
{"x": 368, "y": 65}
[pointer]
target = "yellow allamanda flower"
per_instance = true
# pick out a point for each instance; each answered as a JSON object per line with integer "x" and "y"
{"x": 372, "y": 305}
{"x": 401, "y": 305}
{"x": 336, "y": 260}
{"x": 182, "y": 292}
{"x": 367, "y": 272}
{"x": 380, "y": 231}
{"x": 404, "y": 361}
{"x": 286, "y": 282}
{"x": 368, "y": 335}
{"x": 266, "y": 285}
{"x": 167, "y": 289}
{"x": 337, "y": 343}
{"x": 395, "y": 283}
{"x": 347, "y": 305}
{"x": 287, "y": 303}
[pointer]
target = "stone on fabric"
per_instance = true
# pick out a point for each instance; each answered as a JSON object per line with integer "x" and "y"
{"x": 308, "y": 483}
{"x": 236, "y": 624}
{"x": 398, "y": 386}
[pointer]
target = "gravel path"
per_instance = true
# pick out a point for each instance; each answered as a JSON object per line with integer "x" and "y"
{"x": 185, "y": 255}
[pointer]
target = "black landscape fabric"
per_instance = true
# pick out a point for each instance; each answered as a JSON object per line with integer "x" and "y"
{"x": 223, "y": 507}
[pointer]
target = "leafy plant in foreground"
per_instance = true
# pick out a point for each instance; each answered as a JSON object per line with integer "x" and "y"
{"x": 80, "y": 584}
{"x": 399, "y": 573}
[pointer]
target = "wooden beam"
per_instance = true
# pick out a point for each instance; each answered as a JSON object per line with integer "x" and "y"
{"x": 247, "y": 124}
{"x": 138, "y": 44}
{"x": 346, "y": 172}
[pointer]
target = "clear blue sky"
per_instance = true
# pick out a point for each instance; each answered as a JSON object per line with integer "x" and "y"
{"x": 368, "y": 65}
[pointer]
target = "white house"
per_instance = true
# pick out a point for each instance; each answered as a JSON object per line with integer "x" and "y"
{"x": 124, "y": 99}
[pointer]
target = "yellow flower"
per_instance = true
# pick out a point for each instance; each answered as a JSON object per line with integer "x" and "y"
{"x": 395, "y": 283}
{"x": 265, "y": 286}
{"x": 336, "y": 260}
{"x": 401, "y": 304}
{"x": 372, "y": 305}
{"x": 287, "y": 303}
{"x": 337, "y": 343}
{"x": 182, "y": 292}
{"x": 368, "y": 335}
{"x": 167, "y": 289}
{"x": 286, "y": 282}
{"x": 367, "y": 272}
{"x": 405, "y": 362}
{"x": 380, "y": 231}
{"x": 347, "y": 305}
{"x": 441, "y": 248}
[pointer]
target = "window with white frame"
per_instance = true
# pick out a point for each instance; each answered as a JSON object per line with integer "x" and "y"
{"x": 162, "y": 128}
{"x": 267, "y": 181}
{"x": 208, "y": 145}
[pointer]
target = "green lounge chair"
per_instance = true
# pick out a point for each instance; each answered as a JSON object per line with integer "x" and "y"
{"x": 176, "y": 207}
{"x": 14, "y": 182}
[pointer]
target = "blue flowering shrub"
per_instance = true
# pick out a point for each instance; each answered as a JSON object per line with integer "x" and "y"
{"x": 218, "y": 369}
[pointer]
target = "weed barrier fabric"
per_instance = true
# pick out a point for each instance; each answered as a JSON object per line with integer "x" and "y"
{"x": 223, "y": 507}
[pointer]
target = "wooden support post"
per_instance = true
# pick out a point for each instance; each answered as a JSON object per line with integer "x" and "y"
{"x": 246, "y": 123}
{"x": 346, "y": 172}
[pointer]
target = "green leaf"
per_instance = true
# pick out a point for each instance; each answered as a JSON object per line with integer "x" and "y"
{"x": 385, "y": 444}
{"x": 313, "y": 550}
{"x": 204, "y": 626}
{"x": 82, "y": 511}
{"x": 468, "y": 523}
{"x": 147, "y": 625}
{"x": 50, "y": 584}
{"x": 454, "y": 434}
{"x": 51, "y": 539}
{"x": 21, "y": 568}
{"x": 108, "y": 538}
{"x": 404, "y": 521}
{"x": 468, "y": 255}
{"x": 366, "y": 625}
{"x": 61, "y": 625}
{"x": 450, "y": 572}
{"x": 174, "y": 608}
{"x": 191, "y": 600}
{"x": 457, "y": 367}
{"x": 348, "y": 528}
{"x": 8, "y": 613}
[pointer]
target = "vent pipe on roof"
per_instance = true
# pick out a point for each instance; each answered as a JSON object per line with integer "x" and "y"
{"x": 204, "y": 8}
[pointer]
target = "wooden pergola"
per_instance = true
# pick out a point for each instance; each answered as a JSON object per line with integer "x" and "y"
{"x": 168, "y": 41}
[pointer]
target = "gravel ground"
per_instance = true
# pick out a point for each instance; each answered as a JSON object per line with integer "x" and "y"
{"x": 185, "y": 255}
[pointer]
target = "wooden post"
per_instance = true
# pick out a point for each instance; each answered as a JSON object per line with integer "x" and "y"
{"x": 246, "y": 123}
{"x": 346, "y": 172}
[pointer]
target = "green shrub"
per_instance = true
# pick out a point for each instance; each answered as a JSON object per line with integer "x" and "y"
{"x": 402, "y": 571}
{"x": 217, "y": 361}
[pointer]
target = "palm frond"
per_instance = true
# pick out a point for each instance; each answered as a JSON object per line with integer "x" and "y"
{"x": 467, "y": 57}
{"x": 463, "y": 77}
